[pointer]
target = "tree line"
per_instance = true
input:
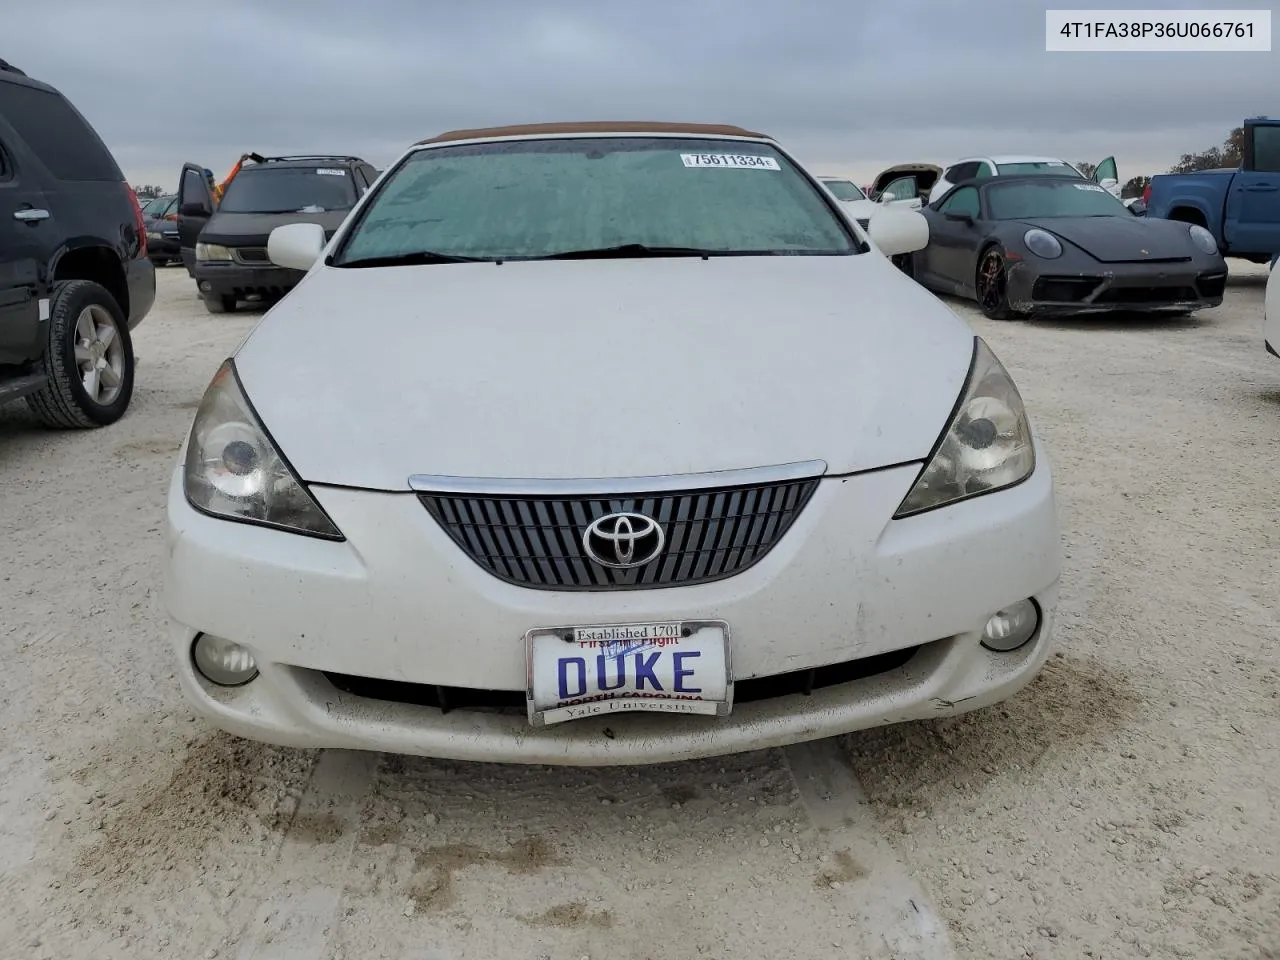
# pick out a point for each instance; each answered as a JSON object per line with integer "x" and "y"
{"x": 1227, "y": 156}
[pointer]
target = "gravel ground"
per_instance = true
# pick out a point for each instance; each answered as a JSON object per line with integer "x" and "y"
{"x": 1124, "y": 805}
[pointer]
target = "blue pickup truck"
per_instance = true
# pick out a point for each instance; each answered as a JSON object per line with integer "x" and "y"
{"x": 1240, "y": 206}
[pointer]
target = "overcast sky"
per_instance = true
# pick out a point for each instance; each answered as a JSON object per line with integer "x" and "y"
{"x": 849, "y": 86}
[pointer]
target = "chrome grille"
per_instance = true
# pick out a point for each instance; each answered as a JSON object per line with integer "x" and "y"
{"x": 536, "y": 540}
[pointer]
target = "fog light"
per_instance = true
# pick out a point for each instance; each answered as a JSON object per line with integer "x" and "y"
{"x": 1010, "y": 628}
{"x": 206, "y": 286}
{"x": 222, "y": 661}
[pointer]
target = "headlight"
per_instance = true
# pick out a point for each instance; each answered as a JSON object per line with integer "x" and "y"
{"x": 1042, "y": 244}
{"x": 233, "y": 469}
{"x": 1203, "y": 239}
{"x": 212, "y": 251}
{"x": 986, "y": 446}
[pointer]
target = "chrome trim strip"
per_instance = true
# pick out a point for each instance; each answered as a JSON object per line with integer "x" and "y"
{"x": 666, "y": 483}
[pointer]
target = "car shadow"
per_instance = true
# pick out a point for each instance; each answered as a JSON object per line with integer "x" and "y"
{"x": 1247, "y": 279}
{"x": 1167, "y": 320}
{"x": 255, "y": 306}
{"x": 17, "y": 419}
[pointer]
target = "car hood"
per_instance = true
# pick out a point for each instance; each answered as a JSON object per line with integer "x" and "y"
{"x": 860, "y": 209}
{"x": 1122, "y": 239}
{"x": 252, "y": 229}
{"x": 604, "y": 368}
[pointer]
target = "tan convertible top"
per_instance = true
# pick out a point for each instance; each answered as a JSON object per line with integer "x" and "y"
{"x": 596, "y": 126}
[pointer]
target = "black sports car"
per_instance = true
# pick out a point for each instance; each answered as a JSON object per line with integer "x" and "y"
{"x": 1053, "y": 245}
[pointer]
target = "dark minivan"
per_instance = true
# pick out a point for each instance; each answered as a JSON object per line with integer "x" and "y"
{"x": 225, "y": 242}
{"x": 74, "y": 274}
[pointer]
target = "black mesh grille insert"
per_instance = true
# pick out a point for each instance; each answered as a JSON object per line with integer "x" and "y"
{"x": 744, "y": 691}
{"x": 537, "y": 541}
{"x": 1147, "y": 295}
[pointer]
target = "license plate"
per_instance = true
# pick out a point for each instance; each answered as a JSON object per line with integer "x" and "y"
{"x": 668, "y": 667}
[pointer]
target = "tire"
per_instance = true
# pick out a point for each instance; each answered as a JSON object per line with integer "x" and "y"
{"x": 219, "y": 304}
{"x": 88, "y": 334}
{"x": 992, "y": 290}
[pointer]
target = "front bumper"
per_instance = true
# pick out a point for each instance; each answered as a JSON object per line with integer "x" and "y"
{"x": 398, "y": 601}
{"x": 1120, "y": 287}
{"x": 217, "y": 278}
{"x": 161, "y": 246}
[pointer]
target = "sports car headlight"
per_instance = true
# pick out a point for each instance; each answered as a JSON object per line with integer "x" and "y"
{"x": 1042, "y": 244}
{"x": 1203, "y": 239}
{"x": 212, "y": 251}
{"x": 234, "y": 471}
{"x": 986, "y": 446}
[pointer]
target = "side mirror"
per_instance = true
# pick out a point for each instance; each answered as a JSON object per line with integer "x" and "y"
{"x": 897, "y": 232}
{"x": 1138, "y": 208}
{"x": 296, "y": 245}
{"x": 959, "y": 217}
{"x": 194, "y": 208}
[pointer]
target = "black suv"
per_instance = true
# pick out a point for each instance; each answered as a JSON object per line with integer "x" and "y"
{"x": 224, "y": 242}
{"x": 74, "y": 273}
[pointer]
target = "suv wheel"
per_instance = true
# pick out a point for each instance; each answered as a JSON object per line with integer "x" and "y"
{"x": 219, "y": 304}
{"x": 89, "y": 360}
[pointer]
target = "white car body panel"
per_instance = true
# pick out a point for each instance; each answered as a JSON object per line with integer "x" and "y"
{"x": 1271, "y": 312}
{"x": 861, "y": 210}
{"x": 606, "y": 369}
{"x": 555, "y": 352}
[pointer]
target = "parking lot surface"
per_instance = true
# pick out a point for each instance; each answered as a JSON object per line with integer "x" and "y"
{"x": 1124, "y": 805}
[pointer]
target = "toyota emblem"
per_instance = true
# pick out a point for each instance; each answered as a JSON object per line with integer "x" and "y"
{"x": 623, "y": 540}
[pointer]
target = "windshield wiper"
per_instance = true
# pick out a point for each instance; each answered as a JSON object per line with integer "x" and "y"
{"x": 632, "y": 250}
{"x": 411, "y": 259}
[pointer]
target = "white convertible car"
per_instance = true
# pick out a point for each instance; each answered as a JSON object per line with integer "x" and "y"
{"x": 605, "y": 443}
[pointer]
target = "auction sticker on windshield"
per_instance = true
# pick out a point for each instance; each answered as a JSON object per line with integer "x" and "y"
{"x": 738, "y": 161}
{"x": 668, "y": 667}
{"x": 331, "y": 173}
{"x": 1092, "y": 188}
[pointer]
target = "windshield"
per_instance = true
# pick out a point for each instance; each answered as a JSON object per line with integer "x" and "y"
{"x": 156, "y": 207}
{"x": 1032, "y": 201}
{"x": 845, "y": 190}
{"x": 1038, "y": 168}
{"x": 289, "y": 190}
{"x": 530, "y": 199}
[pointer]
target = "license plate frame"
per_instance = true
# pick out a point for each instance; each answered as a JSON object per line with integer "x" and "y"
{"x": 689, "y": 630}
